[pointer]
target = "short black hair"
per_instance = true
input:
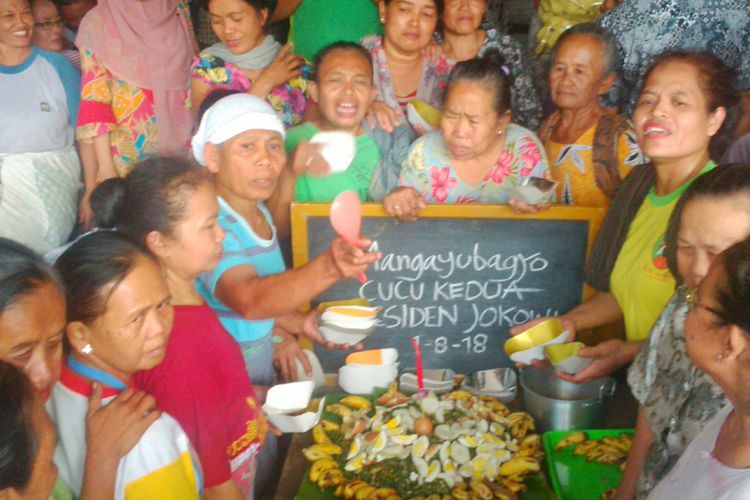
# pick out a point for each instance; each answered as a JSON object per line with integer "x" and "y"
{"x": 17, "y": 436}
{"x": 21, "y": 272}
{"x": 340, "y": 45}
{"x": 489, "y": 70}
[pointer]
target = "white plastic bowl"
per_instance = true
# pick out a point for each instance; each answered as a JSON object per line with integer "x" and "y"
{"x": 341, "y": 336}
{"x": 362, "y": 379}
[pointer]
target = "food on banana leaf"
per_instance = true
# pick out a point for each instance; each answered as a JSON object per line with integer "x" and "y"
{"x": 459, "y": 445}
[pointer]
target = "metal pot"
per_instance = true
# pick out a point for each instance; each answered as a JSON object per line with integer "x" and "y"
{"x": 557, "y": 404}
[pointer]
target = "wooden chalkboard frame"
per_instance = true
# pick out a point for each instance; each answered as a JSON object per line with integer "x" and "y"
{"x": 301, "y": 212}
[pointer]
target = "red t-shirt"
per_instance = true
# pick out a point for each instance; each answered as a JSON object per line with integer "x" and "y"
{"x": 203, "y": 384}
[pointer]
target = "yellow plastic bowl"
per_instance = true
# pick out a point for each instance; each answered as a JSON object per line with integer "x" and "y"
{"x": 557, "y": 353}
{"x": 537, "y": 335}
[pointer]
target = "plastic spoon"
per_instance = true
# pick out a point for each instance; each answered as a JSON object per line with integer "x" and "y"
{"x": 346, "y": 219}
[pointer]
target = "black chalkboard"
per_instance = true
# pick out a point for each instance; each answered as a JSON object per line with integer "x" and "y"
{"x": 459, "y": 277}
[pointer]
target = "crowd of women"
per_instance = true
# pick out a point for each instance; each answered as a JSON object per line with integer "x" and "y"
{"x": 150, "y": 152}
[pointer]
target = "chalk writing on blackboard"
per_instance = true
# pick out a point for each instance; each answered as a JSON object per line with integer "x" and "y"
{"x": 459, "y": 283}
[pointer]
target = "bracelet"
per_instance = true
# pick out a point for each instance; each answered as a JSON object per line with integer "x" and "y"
{"x": 277, "y": 339}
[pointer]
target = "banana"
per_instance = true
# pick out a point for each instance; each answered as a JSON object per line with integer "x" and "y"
{"x": 357, "y": 402}
{"x": 321, "y": 450}
{"x": 328, "y": 425}
{"x": 342, "y": 411}
{"x": 571, "y": 439}
{"x": 460, "y": 395}
{"x": 518, "y": 465}
{"x": 460, "y": 493}
{"x": 339, "y": 492}
{"x": 585, "y": 447}
{"x": 383, "y": 494}
{"x": 330, "y": 477}
{"x": 532, "y": 441}
{"x": 351, "y": 488}
{"x": 619, "y": 443}
{"x": 319, "y": 435}
{"x": 481, "y": 490}
{"x": 364, "y": 493}
{"x": 609, "y": 494}
{"x": 320, "y": 465}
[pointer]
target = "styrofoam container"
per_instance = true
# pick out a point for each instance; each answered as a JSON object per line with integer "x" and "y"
{"x": 362, "y": 379}
{"x": 317, "y": 376}
{"x": 385, "y": 356}
{"x": 297, "y": 423}
{"x": 342, "y": 336}
{"x": 351, "y": 317}
{"x": 529, "y": 345}
{"x": 288, "y": 398}
{"x": 338, "y": 148}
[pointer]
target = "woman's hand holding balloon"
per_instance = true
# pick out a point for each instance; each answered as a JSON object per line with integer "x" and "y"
{"x": 351, "y": 260}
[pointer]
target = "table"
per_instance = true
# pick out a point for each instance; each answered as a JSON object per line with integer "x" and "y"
{"x": 620, "y": 412}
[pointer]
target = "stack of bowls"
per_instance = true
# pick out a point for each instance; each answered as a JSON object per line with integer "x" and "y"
{"x": 348, "y": 324}
{"x": 366, "y": 370}
{"x": 528, "y": 345}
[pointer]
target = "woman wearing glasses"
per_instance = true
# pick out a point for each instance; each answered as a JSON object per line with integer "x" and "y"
{"x": 677, "y": 399}
{"x": 49, "y": 33}
{"x": 39, "y": 166}
{"x": 716, "y": 465}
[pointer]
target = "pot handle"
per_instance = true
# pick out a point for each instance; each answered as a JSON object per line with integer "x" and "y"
{"x": 607, "y": 390}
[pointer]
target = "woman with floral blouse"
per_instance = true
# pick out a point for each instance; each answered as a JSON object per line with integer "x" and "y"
{"x": 477, "y": 154}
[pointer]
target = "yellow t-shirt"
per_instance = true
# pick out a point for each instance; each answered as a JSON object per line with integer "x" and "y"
{"x": 571, "y": 165}
{"x": 641, "y": 281}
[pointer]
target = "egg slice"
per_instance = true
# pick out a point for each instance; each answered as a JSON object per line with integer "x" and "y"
{"x": 466, "y": 470}
{"x": 448, "y": 479}
{"x": 421, "y": 465}
{"x": 468, "y": 441}
{"x": 380, "y": 441}
{"x": 432, "y": 471}
{"x": 355, "y": 463}
{"x": 460, "y": 453}
{"x": 444, "y": 432}
{"x": 445, "y": 451}
{"x": 356, "y": 447}
{"x": 420, "y": 446}
{"x": 393, "y": 423}
{"x": 404, "y": 439}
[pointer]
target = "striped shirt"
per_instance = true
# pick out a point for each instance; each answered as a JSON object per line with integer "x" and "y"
{"x": 242, "y": 247}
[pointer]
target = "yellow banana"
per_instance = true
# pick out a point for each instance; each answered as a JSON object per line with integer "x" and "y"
{"x": 518, "y": 465}
{"x": 319, "y": 435}
{"x": 585, "y": 447}
{"x": 328, "y": 425}
{"x": 619, "y": 443}
{"x": 321, "y": 450}
{"x": 364, "y": 493}
{"x": 383, "y": 494}
{"x": 357, "y": 402}
{"x": 319, "y": 466}
{"x": 342, "y": 411}
{"x": 571, "y": 439}
{"x": 481, "y": 490}
{"x": 330, "y": 477}
{"x": 460, "y": 395}
{"x": 532, "y": 441}
{"x": 350, "y": 489}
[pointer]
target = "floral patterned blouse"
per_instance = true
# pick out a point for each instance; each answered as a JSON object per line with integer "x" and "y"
{"x": 677, "y": 398}
{"x": 431, "y": 86}
{"x": 288, "y": 99}
{"x": 125, "y": 110}
{"x": 429, "y": 171}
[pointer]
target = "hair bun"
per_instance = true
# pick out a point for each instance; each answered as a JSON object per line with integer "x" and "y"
{"x": 106, "y": 201}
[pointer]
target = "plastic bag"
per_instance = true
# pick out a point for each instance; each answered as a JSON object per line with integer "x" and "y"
{"x": 556, "y": 16}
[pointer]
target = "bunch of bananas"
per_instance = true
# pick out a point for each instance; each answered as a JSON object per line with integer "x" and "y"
{"x": 360, "y": 490}
{"x": 520, "y": 423}
{"x": 608, "y": 450}
{"x": 480, "y": 490}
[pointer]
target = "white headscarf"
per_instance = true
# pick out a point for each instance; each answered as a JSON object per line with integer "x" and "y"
{"x": 230, "y": 116}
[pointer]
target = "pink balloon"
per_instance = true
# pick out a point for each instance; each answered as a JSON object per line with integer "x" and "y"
{"x": 346, "y": 215}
